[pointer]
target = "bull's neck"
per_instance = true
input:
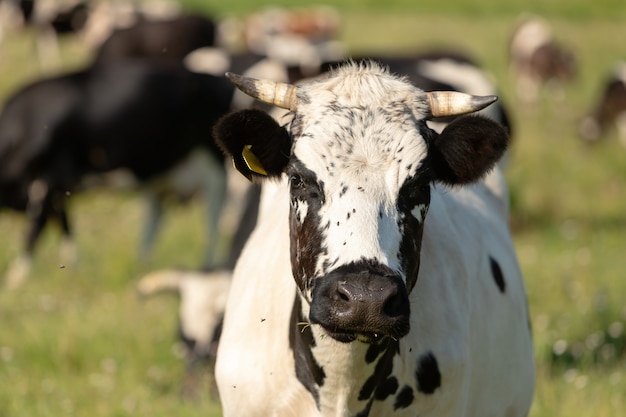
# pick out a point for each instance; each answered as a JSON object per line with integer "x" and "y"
{"x": 343, "y": 378}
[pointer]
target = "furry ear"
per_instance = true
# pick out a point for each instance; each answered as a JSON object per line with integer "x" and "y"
{"x": 258, "y": 145}
{"x": 467, "y": 149}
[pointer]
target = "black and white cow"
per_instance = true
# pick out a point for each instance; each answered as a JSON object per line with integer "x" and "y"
{"x": 128, "y": 114}
{"x": 538, "y": 60}
{"x": 610, "y": 110}
{"x": 348, "y": 299}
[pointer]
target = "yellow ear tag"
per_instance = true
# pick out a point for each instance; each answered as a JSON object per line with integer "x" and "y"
{"x": 251, "y": 160}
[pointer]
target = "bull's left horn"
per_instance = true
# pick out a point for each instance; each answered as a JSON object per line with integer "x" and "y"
{"x": 271, "y": 92}
{"x": 452, "y": 103}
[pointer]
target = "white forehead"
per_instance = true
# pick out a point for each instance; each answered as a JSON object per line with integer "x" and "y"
{"x": 360, "y": 133}
{"x": 361, "y": 121}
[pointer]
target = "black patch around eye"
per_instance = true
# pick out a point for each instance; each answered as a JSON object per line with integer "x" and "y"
{"x": 498, "y": 277}
{"x": 303, "y": 183}
{"x": 415, "y": 190}
{"x": 404, "y": 398}
{"x": 427, "y": 374}
{"x": 295, "y": 181}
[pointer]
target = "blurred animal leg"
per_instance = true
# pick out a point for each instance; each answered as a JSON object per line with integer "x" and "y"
{"x": 38, "y": 210}
{"x": 68, "y": 253}
{"x": 155, "y": 214}
{"x": 620, "y": 123}
{"x": 215, "y": 194}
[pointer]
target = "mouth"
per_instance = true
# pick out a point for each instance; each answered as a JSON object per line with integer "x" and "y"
{"x": 348, "y": 337}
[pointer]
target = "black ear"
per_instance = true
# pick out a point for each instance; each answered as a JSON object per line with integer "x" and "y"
{"x": 467, "y": 149}
{"x": 254, "y": 132}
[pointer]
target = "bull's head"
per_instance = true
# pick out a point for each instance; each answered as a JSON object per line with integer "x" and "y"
{"x": 360, "y": 161}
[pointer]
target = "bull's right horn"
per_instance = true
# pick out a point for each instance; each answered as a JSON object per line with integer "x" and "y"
{"x": 453, "y": 103}
{"x": 271, "y": 92}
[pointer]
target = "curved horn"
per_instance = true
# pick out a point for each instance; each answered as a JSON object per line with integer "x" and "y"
{"x": 452, "y": 103}
{"x": 270, "y": 92}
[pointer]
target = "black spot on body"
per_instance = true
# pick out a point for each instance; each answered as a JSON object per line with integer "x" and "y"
{"x": 388, "y": 387}
{"x": 373, "y": 351}
{"x": 383, "y": 368}
{"x": 366, "y": 410}
{"x": 498, "y": 277}
{"x": 404, "y": 398}
{"x": 427, "y": 374}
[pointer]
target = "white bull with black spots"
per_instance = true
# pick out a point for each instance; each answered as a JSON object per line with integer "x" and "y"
{"x": 348, "y": 299}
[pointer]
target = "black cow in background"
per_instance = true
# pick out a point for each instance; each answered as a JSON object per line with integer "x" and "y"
{"x": 125, "y": 114}
{"x": 609, "y": 111}
{"x": 165, "y": 40}
{"x": 168, "y": 41}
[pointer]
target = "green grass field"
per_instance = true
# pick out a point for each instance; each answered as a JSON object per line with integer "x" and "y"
{"x": 77, "y": 340}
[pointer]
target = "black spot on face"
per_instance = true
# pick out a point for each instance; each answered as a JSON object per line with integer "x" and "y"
{"x": 427, "y": 374}
{"x": 404, "y": 398}
{"x": 498, "y": 277}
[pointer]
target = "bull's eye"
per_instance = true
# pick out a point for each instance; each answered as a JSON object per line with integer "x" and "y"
{"x": 296, "y": 182}
{"x": 304, "y": 188}
{"x": 413, "y": 195}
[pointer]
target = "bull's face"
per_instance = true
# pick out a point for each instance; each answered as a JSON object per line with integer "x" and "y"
{"x": 360, "y": 162}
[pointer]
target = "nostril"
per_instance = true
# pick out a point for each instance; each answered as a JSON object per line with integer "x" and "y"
{"x": 394, "y": 305}
{"x": 342, "y": 292}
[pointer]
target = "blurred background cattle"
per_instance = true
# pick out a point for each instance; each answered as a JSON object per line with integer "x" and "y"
{"x": 110, "y": 114}
{"x": 609, "y": 112}
{"x": 538, "y": 60}
{"x": 123, "y": 114}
